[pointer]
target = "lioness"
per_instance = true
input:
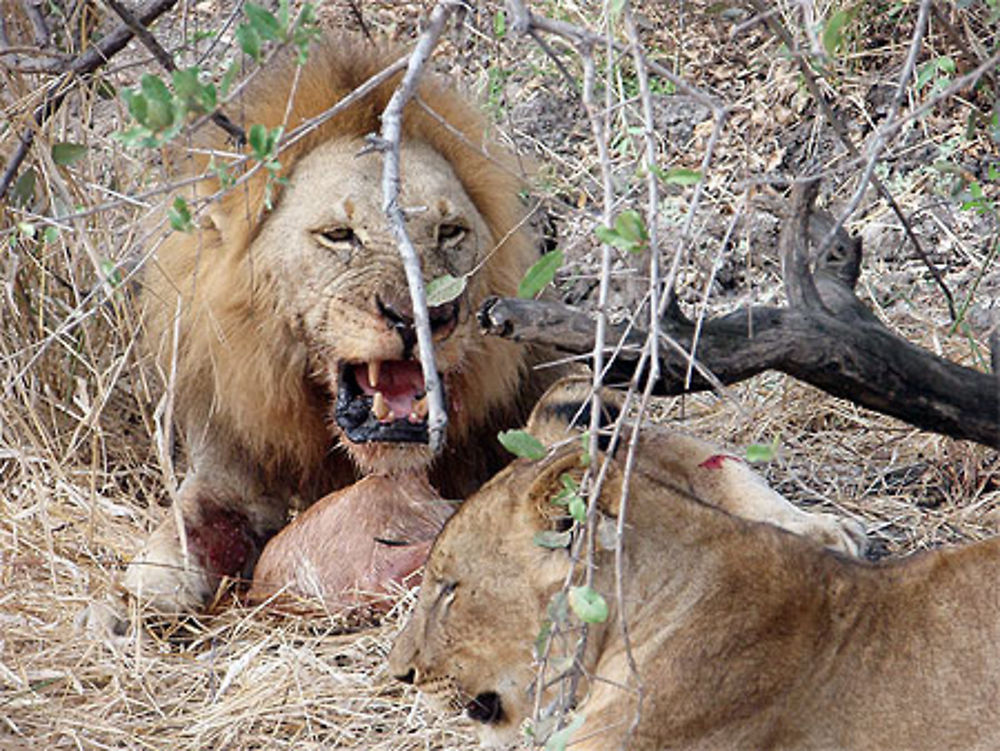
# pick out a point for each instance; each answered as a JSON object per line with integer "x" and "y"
{"x": 290, "y": 328}
{"x": 745, "y": 636}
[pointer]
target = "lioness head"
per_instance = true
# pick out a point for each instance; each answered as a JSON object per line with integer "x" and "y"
{"x": 295, "y": 315}
{"x": 487, "y": 586}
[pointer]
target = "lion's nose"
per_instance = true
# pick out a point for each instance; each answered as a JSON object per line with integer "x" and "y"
{"x": 408, "y": 677}
{"x": 398, "y": 315}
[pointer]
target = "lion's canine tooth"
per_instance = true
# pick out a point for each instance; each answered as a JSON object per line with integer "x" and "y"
{"x": 374, "y": 368}
{"x": 379, "y": 408}
{"x": 420, "y": 408}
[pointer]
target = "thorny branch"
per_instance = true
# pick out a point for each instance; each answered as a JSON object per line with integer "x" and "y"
{"x": 388, "y": 143}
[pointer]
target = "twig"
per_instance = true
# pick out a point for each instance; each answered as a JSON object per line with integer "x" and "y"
{"x": 82, "y": 67}
{"x": 163, "y": 58}
{"x": 778, "y": 29}
{"x": 388, "y": 143}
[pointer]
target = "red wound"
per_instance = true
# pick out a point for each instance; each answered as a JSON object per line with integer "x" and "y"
{"x": 715, "y": 461}
{"x": 223, "y": 540}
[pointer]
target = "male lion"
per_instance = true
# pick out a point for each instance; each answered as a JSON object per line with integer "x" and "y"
{"x": 744, "y": 636}
{"x": 290, "y": 329}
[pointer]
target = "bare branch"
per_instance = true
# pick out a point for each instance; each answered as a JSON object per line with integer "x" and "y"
{"x": 389, "y": 143}
{"x": 778, "y": 29}
{"x": 839, "y": 347}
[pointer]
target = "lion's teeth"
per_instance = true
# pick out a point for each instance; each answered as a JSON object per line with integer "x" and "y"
{"x": 374, "y": 368}
{"x": 420, "y": 408}
{"x": 379, "y": 408}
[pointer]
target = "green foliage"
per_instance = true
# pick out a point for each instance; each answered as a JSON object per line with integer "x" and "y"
{"x": 67, "y": 153}
{"x": 763, "y": 452}
{"x": 499, "y": 24}
{"x": 180, "y": 215}
{"x": 521, "y": 443}
{"x": 161, "y": 112}
{"x": 588, "y": 604}
{"x": 264, "y": 26}
{"x": 676, "y": 175}
{"x": 444, "y": 289}
{"x": 939, "y": 70}
{"x": 540, "y": 275}
{"x": 628, "y": 234}
{"x": 834, "y": 37}
{"x": 569, "y": 496}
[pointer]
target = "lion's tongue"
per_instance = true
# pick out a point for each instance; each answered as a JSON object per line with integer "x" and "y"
{"x": 401, "y": 383}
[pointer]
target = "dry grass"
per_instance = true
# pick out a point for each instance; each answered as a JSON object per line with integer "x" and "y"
{"x": 80, "y": 483}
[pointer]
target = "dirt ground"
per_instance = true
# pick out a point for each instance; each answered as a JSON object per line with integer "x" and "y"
{"x": 81, "y": 480}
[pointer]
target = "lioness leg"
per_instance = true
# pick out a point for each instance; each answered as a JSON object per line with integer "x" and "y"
{"x": 727, "y": 482}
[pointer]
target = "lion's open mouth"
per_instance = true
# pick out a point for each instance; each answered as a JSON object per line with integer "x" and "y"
{"x": 485, "y": 708}
{"x": 382, "y": 401}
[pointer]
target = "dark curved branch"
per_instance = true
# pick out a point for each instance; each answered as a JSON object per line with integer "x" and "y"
{"x": 838, "y": 346}
{"x": 81, "y": 67}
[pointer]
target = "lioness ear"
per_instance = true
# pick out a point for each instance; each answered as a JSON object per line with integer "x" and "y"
{"x": 566, "y": 469}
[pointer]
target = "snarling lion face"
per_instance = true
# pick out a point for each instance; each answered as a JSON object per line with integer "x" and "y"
{"x": 352, "y": 306}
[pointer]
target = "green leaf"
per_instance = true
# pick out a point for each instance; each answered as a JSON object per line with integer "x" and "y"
{"x": 23, "y": 191}
{"x": 444, "y": 289}
{"x": 578, "y": 509}
{"x": 629, "y": 225}
{"x": 554, "y": 540}
{"x": 763, "y": 452}
{"x": 677, "y": 175}
{"x": 588, "y": 604}
{"x": 540, "y": 274}
{"x": 154, "y": 89}
{"x": 67, "y": 153}
{"x": 50, "y": 234}
{"x": 833, "y": 31}
{"x": 27, "y": 229}
{"x": 136, "y": 105}
{"x": 560, "y": 739}
{"x": 228, "y": 77}
{"x": 499, "y": 24}
{"x": 523, "y": 444}
{"x": 180, "y": 215}
{"x": 249, "y": 41}
{"x": 257, "y": 137}
{"x": 263, "y": 22}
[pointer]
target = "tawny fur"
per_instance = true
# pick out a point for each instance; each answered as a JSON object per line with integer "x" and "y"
{"x": 745, "y": 636}
{"x": 263, "y": 313}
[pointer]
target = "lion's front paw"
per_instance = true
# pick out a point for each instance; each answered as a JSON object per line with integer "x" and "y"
{"x": 833, "y": 532}
{"x": 161, "y": 579}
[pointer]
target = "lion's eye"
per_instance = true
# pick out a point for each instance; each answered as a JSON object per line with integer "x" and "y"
{"x": 451, "y": 234}
{"x": 336, "y": 236}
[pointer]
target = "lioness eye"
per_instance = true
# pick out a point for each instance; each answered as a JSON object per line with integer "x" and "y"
{"x": 450, "y": 234}
{"x": 336, "y": 236}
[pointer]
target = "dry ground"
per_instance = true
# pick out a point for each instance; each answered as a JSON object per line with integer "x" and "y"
{"x": 81, "y": 482}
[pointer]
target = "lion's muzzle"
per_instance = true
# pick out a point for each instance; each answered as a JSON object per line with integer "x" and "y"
{"x": 382, "y": 401}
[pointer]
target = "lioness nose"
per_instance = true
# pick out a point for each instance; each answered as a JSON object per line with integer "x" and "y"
{"x": 408, "y": 677}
